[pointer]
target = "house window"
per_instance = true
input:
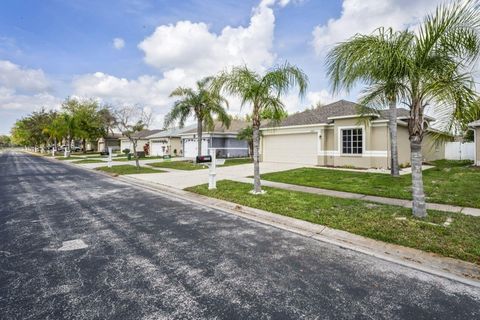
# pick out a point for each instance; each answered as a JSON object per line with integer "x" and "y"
{"x": 352, "y": 141}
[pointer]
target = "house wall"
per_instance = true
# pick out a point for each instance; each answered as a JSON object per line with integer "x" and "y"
{"x": 229, "y": 142}
{"x": 126, "y": 144}
{"x": 376, "y": 148}
{"x": 403, "y": 143}
{"x": 103, "y": 144}
{"x": 432, "y": 150}
{"x": 176, "y": 144}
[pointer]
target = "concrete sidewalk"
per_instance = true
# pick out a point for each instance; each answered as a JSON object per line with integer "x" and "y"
{"x": 349, "y": 195}
{"x": 181, "y": 179}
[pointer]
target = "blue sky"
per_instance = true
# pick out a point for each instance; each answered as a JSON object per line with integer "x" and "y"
{"x": 52, "y": 49}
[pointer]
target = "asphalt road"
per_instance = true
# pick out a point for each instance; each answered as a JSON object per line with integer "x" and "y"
{"x": 140, "y": 255}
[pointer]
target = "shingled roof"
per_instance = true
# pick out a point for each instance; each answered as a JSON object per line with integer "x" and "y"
{"x": 144, "y": 133}
{"x": 235, "y": 126}
{"x": 336, "y": 109}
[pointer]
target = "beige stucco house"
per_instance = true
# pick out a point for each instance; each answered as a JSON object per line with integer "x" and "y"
{"x": 142, "y": 140}
{"x": 112, "y": 140}
{"x": 476, "y": 133}
{"x": 167, "y": 142}
{"x": 341, "y": 134}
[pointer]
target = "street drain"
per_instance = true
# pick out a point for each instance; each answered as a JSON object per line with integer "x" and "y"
{"x": 71, "y": 245}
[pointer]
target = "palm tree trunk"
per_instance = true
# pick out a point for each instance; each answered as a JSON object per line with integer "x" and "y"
{"x": 257, "y": 187}
{"x": 392, "y": 127}
{"x": 199, "y": 136}
{"x": 418, "y": 193}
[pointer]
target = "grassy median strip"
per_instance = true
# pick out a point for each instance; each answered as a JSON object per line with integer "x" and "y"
{"x": 88, "y": 161}
{"x": 460, "y": 239}
{"x": 236, "y": 161}
{"x": 69, "y": 158}
{"x": 450, "y": 182}
{"x": 127, "y": 169}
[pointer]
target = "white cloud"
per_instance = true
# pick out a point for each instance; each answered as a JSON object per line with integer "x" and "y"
{"x": 185, "y": 52}
{"x": 23, "y": 89}
{"x": 118, "y": 43}
{"x": 194, "y": 49}
{"x": 145, "y": 90}
{"x": 293, "y": 103}
{"x": 14, "y": 77}
{"x": 364, "y": 16}
{"x": 10, "y": 100}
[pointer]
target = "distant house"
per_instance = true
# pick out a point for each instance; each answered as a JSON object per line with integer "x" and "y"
{"x": 112, "y": 140}
{"x": 342, "y": 134}
{"x": 220, "y": 137}
{"x": 476, "y": 133}
{"x": 142, "y": 140}
{"x": 167, "y": 142}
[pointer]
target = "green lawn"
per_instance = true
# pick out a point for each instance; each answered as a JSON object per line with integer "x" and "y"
{"x": 124, "y": 158}
{"x": 188, "y": 165}
{"x": 450, "y": 182}
{"x": 88, "y": 161}
{"x": 69, "y": 158}
{"x": 460, "y": 240}
{"x": 127, "y": 169}
{"x": 236, "y": 161}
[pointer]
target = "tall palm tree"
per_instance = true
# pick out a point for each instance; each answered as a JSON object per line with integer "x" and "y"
{"x": 376, "y": 60}
{"x": 262, "y": 93}
{"x": 439, "y": 73}
{"x": 203, "y": 103}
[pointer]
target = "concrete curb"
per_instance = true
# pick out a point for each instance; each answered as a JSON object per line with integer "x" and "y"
{"x": 449, "y": 268}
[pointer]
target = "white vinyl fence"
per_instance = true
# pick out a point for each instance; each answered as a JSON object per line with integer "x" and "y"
{"x": 460, "y": 151}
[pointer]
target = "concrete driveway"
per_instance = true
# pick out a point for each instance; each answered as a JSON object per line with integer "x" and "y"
{"x": 183, "y": 179}
{"x": 78, "y": 245}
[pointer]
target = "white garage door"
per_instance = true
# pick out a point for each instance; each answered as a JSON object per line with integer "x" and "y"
{"x": 157, "y": 148}
{"x": 190, "y": 147}
{"x": 291, "y": 148}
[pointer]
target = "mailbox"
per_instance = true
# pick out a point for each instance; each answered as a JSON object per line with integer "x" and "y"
{"x": 203, "y": 159}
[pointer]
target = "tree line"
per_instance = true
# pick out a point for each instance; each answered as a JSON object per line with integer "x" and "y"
{"x": 84, "y": 120}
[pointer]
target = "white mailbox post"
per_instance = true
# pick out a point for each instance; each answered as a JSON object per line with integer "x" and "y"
{"x": 109, "y": 157}
{"x": 212, "y": 172}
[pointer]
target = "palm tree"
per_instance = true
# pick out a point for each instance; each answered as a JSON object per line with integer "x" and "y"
{"x": 54, "y": 129}
{"x": 439, "y": 73}
{"x": 262, "y": 93}
{"x": 68, "y": 127}
{"x": 376, "y": 60}
{"x": 247, "y": 135}
{"x": 203, "y": 103}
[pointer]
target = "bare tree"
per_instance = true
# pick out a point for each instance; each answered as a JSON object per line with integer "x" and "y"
{"x": 130, "y": 121}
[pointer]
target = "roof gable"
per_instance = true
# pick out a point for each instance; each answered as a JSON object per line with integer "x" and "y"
{"x": 341, "y": 108}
